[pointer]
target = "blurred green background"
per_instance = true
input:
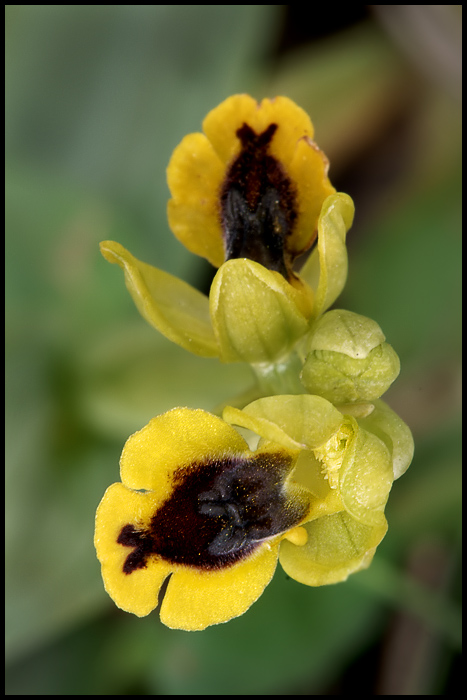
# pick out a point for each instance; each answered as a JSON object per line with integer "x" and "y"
{"x": 97, "y": 97}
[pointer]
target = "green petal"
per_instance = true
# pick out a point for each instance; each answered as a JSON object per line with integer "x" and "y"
{"x": 326, "y": 269}
{"x": 176, "y": 309}
{"x": 387, "y": 425}
{"x": 256, "y": 314}
{"x": 365, "y": 477}
{"x": 295, "y": 421}
{"x": 337, "y": 546}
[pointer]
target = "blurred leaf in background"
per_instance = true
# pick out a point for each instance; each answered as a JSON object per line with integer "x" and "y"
{"x": 97, "y": 97}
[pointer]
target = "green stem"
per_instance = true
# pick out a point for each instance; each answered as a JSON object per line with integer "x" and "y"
{"x": 281, "y": 377}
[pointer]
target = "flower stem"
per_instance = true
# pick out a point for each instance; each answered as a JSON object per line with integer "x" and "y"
{"x": 281, "y": 377}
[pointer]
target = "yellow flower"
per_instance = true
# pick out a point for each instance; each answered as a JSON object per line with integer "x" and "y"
{"x": 196, "y": 505}
{"x": 250, "y": 194}
{"x": 252, "y": 186}
{"x": 198, "y": 508}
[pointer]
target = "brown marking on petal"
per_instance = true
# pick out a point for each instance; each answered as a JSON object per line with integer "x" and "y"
{"x": 218, "y": 513}
{"x": 258, "y": 204}
{"x": 139, "y": 539}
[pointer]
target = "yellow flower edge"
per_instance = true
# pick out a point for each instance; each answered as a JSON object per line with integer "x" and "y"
{"x": 194, "y": 176}
{"x": 136, "y": 593}
{"x": 194, "y": 599}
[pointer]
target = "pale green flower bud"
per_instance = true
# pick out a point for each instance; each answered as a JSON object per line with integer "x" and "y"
{"x": 348, "y": 359}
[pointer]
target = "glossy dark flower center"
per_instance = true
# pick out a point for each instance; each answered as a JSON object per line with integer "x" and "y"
{"x": 258, "y": 203}
{"x": 218, "y": 513}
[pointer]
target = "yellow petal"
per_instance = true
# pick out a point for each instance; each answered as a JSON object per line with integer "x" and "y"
{"x": 176, "y": 309}
{"x": 337, "y": 546}
{"x": 178, "y": 438}
{"x": 199, "y": 171}
{"x": 194, "y": 176}
{"x": 196, "y": 599}
{"x": 138, "y": 591}
{"x": 221, "y": 124}
{"x": 308, "y": 171}
{"x": 293, "y": 123}
{"x": 292, "y": 146}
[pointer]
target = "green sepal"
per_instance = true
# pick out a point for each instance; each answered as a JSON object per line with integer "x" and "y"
{"x": 392, "y": 430}
{"x": 295, "y": 421}
{"x": 325, "y": 271}
{"x": 178, "y": 311}
{"x": 337, "y": 546}
{"x": 257, "y": 315}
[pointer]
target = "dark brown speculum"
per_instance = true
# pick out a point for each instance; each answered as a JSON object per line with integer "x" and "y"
{"x": 218, "y": 512}
{"x": 258, "y": 204}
